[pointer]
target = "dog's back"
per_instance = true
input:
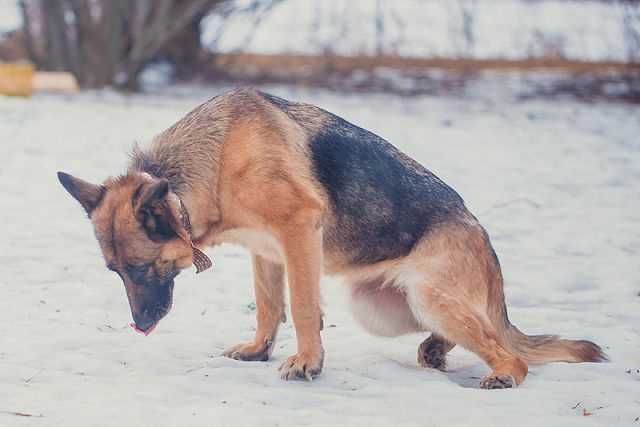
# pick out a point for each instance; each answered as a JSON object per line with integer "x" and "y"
{"x": 382, "y": 201}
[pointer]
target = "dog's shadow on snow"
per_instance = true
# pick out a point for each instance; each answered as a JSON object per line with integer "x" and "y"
{"x": 468, "y": 376}
{"x": 464, "y": 373}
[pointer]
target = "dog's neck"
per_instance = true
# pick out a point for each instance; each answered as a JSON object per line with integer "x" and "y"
{"x": 201, "y": 204}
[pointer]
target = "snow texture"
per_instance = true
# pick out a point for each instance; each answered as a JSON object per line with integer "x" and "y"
{"x": 555, "y": 184}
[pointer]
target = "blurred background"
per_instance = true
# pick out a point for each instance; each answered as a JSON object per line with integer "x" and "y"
{"x": 589, "y": 49}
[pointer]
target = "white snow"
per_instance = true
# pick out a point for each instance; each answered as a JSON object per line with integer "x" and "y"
{"x": 555, "y": 183}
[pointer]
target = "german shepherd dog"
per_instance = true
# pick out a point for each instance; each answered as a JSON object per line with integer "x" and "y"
{"x": 310, "y": 193}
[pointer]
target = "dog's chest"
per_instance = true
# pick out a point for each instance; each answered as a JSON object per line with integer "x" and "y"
{"x": 258, "y": 242}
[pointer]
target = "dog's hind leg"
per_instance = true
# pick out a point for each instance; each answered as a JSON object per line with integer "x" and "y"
{"x": 433, "y": 351}
{"x": 269, "y": 293}
{"x": 453, "y": 289}
{"x": 382, "y": 309}
{"x": 462, "y": 324}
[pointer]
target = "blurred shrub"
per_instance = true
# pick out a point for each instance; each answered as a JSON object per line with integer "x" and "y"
{"x": 108, "y": 42}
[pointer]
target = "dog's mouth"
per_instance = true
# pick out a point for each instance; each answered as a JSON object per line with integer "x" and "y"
{"x": 144, "y": 332}
{"x": 153, "y": 303}
{"x": 146, "y": 325}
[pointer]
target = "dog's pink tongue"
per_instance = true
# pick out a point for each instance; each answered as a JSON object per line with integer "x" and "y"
{"x": 143, "y": 332}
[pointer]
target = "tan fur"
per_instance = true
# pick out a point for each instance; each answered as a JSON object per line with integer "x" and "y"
{"x": 453, "y": 287}
{"x": 261, "y": 191}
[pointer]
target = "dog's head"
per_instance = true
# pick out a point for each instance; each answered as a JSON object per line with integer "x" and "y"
{"x": 137, "y": 221}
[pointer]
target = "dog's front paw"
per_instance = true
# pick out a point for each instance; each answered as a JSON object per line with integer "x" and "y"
{"x": 251, "y": 352}
{"x": 302, "y": 366}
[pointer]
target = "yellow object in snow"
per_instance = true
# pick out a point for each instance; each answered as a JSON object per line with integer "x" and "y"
{"x": 21, "y": 80}
{"x": 16, "y": 79}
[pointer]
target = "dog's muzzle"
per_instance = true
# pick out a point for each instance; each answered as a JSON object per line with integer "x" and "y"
{"x": 150, "y": 305}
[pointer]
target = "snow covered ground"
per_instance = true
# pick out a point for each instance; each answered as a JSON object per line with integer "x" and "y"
{"x": 555, "y": 183}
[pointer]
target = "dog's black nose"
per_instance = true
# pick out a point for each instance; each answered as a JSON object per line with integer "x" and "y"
{"x": 144, "y": 321}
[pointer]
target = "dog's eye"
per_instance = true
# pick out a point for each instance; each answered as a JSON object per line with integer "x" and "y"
{"x": 141, "y": 268}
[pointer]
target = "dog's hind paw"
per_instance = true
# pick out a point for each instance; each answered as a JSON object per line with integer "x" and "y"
{"x": 495, "y": 381}
{"x": 250, "y": 352}
{"x": 432, "y": 353}
{"x": 302, "y": 366}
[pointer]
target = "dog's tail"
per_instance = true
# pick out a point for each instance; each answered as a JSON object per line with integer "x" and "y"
{"x": 537, "y": 349}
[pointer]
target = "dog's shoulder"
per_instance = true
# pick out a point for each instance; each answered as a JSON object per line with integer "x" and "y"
{"x": 381, "y": 201}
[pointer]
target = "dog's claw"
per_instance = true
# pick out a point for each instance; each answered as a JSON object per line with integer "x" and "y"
{"x": 301, "y": 367}
{"x": 250, "y": 352}
{"x": 495, "y": 382}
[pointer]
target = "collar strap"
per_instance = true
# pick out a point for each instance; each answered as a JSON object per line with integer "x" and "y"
{"x": 201, "y": 261}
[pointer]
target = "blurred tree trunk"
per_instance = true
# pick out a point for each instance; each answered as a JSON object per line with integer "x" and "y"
{"x": 108, "y": 42}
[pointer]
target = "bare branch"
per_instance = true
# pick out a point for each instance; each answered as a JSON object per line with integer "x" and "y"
{"x": 98, "y": 40}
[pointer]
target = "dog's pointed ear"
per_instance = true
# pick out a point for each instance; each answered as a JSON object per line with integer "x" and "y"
{"x": 89, "y": 195}
{"x": 153, "y": 193}
{"x": 155, "y": 210}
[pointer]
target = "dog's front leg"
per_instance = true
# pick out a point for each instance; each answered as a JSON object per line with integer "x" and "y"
{"x": 302, "y": 247}
{"x": 268, "y": 280}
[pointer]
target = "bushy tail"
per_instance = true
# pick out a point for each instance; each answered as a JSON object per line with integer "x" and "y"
{"x": 537, "y": 349}
{"x": 534, "y": 349}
